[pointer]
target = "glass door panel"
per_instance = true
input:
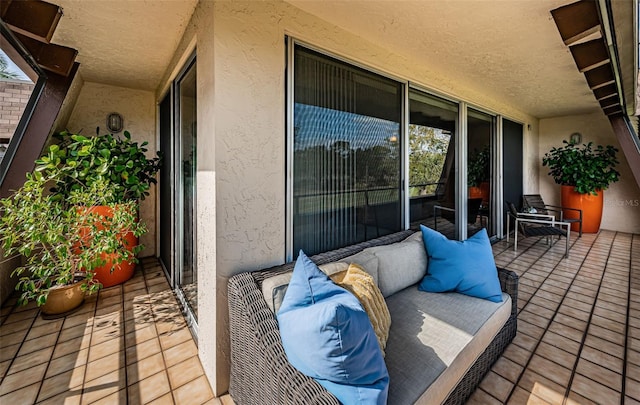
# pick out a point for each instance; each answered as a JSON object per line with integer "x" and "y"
{"x": 432, "y": 135}
{"x": 188, "y": 275}
{"x": 481, "y": 135}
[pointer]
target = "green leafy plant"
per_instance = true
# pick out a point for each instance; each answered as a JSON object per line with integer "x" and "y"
{"x": 478, "y": 167}
{"x": 62, "y": 240}
{"x": 83, "y": 160}
{"x": 585, "y": 168}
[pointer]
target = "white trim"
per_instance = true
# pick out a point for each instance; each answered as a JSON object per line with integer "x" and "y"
{"x": 289, "y": 101}
{"x": 461, "y": 175}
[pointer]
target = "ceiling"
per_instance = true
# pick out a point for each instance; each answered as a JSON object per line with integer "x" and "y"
{"x": 510, "y": 50}
{"x": 126, "y": 43}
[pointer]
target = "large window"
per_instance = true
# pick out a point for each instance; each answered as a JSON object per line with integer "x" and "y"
{"x": 346, "y": 146}
{"x": 369, "y": 155}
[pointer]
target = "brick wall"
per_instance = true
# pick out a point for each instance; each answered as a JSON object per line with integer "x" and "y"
{"x": 14, "y": 96}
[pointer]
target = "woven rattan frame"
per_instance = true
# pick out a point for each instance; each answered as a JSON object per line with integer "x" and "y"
{"x": 260, "y": 372}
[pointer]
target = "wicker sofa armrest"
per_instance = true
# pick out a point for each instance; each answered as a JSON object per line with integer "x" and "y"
{"x": 509, "y": 284}
{"x": 260, "y": 372}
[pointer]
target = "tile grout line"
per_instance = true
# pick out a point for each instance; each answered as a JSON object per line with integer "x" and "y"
{"x": 50, "y": 359}
{"x": 13, "y": 359}
{"x": 153, "y": 316}
{"x": 586, "y": 332}
{"x": 627, "y": 337}
{"x": 93, "y": 325}
{"x": 551, "y": 319}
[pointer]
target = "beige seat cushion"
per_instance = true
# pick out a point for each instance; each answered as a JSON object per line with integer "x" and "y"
{"x": 362, "y": 285}
{"x": 434, "y": 339}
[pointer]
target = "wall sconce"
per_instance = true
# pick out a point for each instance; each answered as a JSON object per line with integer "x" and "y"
{"x": 115, "y": 122}
{"x": 575, "y": 138}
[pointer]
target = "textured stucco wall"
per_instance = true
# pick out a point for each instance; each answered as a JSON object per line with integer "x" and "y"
{"x": 621, "y": 199}
{"x": 94, "y": 103}
{"x": 241, "y": 139}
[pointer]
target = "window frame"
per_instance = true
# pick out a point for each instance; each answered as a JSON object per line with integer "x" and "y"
{"x": 9, "y": 40}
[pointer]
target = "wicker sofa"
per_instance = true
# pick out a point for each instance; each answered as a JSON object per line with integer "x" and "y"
{"x": 424, "y": 327}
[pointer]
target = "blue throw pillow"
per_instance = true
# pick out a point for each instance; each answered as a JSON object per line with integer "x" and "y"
{"x": 328, "y": 336}
{"x": 465, "y": 267}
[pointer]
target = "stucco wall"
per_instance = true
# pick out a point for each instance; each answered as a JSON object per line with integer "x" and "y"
{"x": 241, "y": 137}
{"x": 621, "y": 199}
{"x": 94, "y": 103}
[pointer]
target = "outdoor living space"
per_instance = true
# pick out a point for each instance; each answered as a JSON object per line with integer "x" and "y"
{"x": 578, "y": 336}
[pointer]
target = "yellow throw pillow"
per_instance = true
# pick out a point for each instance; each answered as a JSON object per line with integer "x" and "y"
{"x": 357, "y": 281}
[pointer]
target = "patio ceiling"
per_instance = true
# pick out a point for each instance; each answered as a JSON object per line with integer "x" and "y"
{"x": 122, "y": 42}
{"x": 509, "y": 50}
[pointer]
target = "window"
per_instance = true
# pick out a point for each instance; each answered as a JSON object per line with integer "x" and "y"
{"x": 21, "y": 83}
{"x": 369, "y": 155}
{"x": 346, "y": 161}
{"x": 432, "y": 135}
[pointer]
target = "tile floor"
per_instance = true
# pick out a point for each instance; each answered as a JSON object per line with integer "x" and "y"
{"x": 126, "y": 344}
{"x": 578, "y": 338}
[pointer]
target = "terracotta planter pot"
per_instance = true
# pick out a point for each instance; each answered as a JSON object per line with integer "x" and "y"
{"x": 63, "y": 299}
{"x": 475, "y": 192}
{"x": 123, "y": 271}
{"x": 590, "y": 205}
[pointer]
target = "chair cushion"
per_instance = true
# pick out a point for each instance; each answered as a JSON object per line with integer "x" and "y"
{"x": 327, "y": 335}
{"x": 361, "y": 284}
{"x": 466, "y": 267}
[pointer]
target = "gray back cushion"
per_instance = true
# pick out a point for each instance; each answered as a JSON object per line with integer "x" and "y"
{"x": 400, "y": 264}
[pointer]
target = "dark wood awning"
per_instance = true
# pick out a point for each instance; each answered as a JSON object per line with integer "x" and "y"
{"x": 582, "y": 31}
{"x": 33, "y": 23}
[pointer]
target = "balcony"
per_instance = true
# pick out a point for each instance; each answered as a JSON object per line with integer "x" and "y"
{"x": 578, "y": 338}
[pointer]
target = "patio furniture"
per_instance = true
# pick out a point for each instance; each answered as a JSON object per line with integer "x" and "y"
{"x": 536, "y": 201}
{"x": 426, "y": 328}
{"x": 448, "y": 213}
{"x": 534, "y": 224}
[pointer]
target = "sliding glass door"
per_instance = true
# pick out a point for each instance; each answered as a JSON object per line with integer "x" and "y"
{"x": 178, "y": 137}
{"x": 480, "y": 140}
{"x": 432, "y": 143}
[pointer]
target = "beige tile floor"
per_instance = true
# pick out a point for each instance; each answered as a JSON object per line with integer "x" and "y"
{"x": 578, "y": 338}
{"x": 126, "y": 344}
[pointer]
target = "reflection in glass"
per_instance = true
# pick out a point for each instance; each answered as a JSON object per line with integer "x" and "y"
{"x": 187, "y": 126}
{"x": 432, "y": 127}
{"x": 346, "y": 157}
{"x": 480, "y": 130}
{"x": 16, "y": 87}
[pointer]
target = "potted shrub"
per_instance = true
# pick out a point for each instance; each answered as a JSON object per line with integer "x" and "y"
{"x": 478, "y": 174}
{"x": 81, "y": 161}
{"x": 583, "y": 172}
{"x": 62, "y": 240}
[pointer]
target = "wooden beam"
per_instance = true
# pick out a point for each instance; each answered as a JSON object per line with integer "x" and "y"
{"x": 615, "y": 109}
{"x": 577, "y": 20}
{"x": 599, "y": 77}
{"x": 33, "y": 18}
{"x": 590, "y": 55}
{"x": 609, "y": 102}
{"x": 605, "y": 91}
{"x": 36, "y": 133}
{"x": 625, "y": 133}
{"x": 54, "y": 58}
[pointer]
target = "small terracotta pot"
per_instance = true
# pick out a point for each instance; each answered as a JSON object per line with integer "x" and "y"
{"x": 591, "y": 206}
{"x": 63, "y": 299}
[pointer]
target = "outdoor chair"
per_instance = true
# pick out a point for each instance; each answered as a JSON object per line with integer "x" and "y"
{"x": 448, "y": 213}
{"x": 536, "y": 201}
{"x": 530, "y": 224}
